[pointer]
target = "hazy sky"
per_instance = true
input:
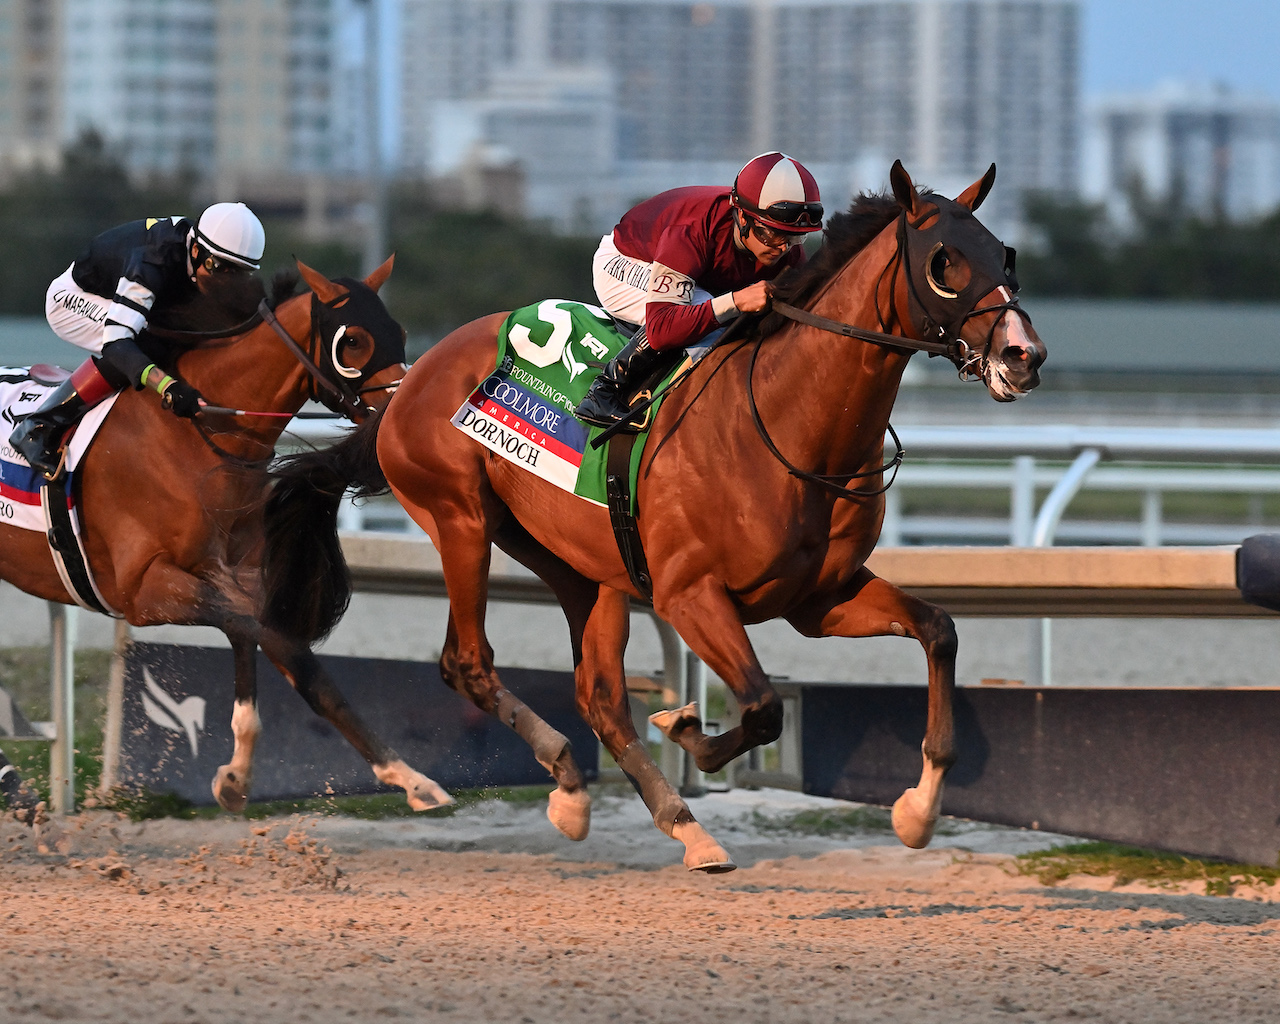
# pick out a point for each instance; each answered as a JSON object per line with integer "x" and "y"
{"x": 1132, "y": 44}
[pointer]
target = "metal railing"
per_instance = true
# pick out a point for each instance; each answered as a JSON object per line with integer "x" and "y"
{"x": 1150, "y": 462}
{"x": 1103, "y": 458}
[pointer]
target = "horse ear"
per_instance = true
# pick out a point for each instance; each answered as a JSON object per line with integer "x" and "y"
{"x": 379, "y": 277}
{"x": 903, "y": 188}
{"x": 326, "y": 291}
{"x": 972, "y": 196}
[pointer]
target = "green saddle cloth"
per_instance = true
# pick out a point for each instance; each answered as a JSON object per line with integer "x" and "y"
{"x": 548, "y": 355}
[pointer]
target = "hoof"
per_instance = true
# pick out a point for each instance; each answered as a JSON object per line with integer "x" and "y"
{"x": 701, "y": 852}
{"x": 911, "y": 823}
{"x": 570, "y": 812}
{"x": 676, "y": 719}
{"x": 427, "y": 795}
{"x": 230, "y": 790}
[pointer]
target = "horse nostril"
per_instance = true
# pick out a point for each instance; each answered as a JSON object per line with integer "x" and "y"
{"x": 1025, "y": 357}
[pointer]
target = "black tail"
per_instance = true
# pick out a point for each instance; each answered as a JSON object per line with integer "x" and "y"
{"x": 306, "y": 583}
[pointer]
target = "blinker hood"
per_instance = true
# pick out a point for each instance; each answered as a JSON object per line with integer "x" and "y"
{"x": 936, "y": 310}
{"x": 362, "y": 307}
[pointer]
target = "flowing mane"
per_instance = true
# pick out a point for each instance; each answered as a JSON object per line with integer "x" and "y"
{"x": 845, "y": 235}
{"x": 232, "y": 299}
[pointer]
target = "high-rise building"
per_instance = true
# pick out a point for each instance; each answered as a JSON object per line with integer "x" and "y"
{"x": 847, "y": 86}
{"x": 30, "y": 82}
{"x": 142, "y": 73}
{"x": 231, "y": 89}
{"x": 1203, "y": 148}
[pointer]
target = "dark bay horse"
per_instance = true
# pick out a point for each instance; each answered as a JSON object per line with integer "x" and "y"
{"x": 760, "y": 496}
{"x": 171, "y": 508}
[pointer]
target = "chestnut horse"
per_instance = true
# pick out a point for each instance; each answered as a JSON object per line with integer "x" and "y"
{"x": 171, "y": 508}
{"x": 744, "y": 503}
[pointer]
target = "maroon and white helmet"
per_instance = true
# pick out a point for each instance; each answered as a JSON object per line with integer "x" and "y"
{"x": 778, "y": 191}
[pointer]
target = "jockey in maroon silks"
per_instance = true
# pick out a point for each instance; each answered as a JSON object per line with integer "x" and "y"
{"x": 102, "y": 303}
{"x": 686, "y": 261}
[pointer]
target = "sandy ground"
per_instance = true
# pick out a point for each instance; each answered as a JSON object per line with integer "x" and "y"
{"x": 489, "y": 916}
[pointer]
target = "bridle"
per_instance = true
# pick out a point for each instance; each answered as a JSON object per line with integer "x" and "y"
{"x": 940, "y": 335}
{"x": 337, "y": 395}
{"x": 939, "y": 332}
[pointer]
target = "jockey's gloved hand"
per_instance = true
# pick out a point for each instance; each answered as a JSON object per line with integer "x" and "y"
{"x": 180, "y": 399}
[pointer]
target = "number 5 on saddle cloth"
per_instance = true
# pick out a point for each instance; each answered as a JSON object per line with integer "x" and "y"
{"x": 548, "y": 355}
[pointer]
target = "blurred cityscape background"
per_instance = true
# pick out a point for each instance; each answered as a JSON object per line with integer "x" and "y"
{"x": 491, "y": 142}
{"x": 476, "y": 126}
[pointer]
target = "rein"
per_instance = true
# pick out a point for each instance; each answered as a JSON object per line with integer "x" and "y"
{"x": 949, "y": 343}
{"x": 831, "y": 483}
{"x": 349, "y": 405}
{"x": 193, "y": 336}
{"x": 803, "y": 316}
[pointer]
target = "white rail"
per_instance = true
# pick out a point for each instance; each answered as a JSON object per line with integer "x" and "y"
{"x": 1228, "y": 459}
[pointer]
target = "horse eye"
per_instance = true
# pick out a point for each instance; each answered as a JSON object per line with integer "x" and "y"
{"x": 935, "y": 271}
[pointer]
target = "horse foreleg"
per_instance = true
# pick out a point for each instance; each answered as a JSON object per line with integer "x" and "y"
{"x": 872, "y": 607}
{"x": 708, "y": 621}
{"x": 603, "y": 702}
{"x": 232, "y": 781}
{"x": 308, "y": 677}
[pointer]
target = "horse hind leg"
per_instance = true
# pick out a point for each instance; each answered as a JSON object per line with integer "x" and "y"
{"x": 304, "y": 672}
{"x": 599, "y": 624}
{"x": 232, "y": 781}
{"x": 468, "y": 669}
{"x": 873, "y": 607}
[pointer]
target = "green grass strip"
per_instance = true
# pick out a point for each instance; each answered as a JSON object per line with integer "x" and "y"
{"x": 1130, "y": 864}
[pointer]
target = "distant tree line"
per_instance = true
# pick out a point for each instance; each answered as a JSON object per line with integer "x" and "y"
{"x": 1167, "y": 253}
{"x": 454, "y": 266}
{"x": 451, "y": 266}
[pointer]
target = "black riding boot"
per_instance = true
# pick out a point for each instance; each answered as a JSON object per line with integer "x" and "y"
{"x": 608, "y": 398}
{"x": 37, "y": 434}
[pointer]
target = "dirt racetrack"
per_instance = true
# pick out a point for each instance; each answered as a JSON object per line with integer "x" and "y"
{"x": 337, "y": 920}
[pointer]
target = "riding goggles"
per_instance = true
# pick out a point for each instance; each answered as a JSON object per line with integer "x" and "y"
{"x": 217, "y": 266}
{"x": 773, "y": 237}
{"x": 801, "y": 216}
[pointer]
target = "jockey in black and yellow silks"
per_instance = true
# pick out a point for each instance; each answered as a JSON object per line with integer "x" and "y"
{"x": 105, "y": 298}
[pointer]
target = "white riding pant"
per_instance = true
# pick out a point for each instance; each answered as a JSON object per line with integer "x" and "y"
{"x": 74, "y": 314}
{"x": 622, "y": 285}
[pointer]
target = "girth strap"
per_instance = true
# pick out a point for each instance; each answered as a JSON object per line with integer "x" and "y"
{"x": 625, "y": 529}
{"x": 67, "y": 548}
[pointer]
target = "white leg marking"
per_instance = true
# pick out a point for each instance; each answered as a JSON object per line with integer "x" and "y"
{"x": 701, "y": 851}
{"x": 916, "y": 811}
{"x": 231, "y": 783}
{"x": 423, "y": 793}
